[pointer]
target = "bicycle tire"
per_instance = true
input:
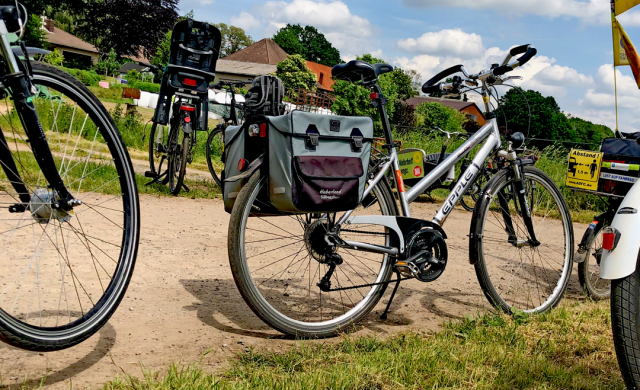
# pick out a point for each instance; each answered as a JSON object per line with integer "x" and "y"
{"x": 276, "y": 309}
{"x": 178, "y": 163}
{"x": 40, "y": 327}
{"x": 481, "y": 180}
{"x": 625, "y": 326}
{"x": 211, "y": 152}
{"x": 599, "y": 288}
{"x": 492, "y": 266}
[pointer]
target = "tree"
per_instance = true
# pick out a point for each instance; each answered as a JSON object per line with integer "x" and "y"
{"x": 537, "y": 116}
{"x": 309, "y": 43}
{"x": 129, "y": 26}
{"x": 108, "y": 64}
{"x": 295, "y": 74}
{"x": 233, "y": 39}
{"x": 34, "y": 35}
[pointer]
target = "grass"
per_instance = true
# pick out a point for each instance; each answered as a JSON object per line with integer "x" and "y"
{"x": 570, "y": 347}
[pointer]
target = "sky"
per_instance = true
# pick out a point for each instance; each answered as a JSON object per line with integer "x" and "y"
{"x": 573, "y": 38}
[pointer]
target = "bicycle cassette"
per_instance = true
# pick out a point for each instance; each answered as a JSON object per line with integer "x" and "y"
{"x": 426, "y": 256}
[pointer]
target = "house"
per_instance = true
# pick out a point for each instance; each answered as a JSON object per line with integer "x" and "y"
{"x": 74, "y": 49}
{"x": 262, "y": 58}
{"x": 323, "y": 73}
{"x": 470, "y": 109}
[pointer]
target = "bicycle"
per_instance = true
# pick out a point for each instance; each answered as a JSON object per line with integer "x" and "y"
{"x": 70, "y": 221}
{"x": 183, "y": 102}
{"x": 215, "y": 141}
{"x": 307, "y": 275}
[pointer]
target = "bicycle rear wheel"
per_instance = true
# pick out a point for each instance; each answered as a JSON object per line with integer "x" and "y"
{"x": 215, "y": 147}
{"x": 278, "y": 261}
{"x": 589, "y": 270}
{"x": 178, "y": 158}
{"x": 513, "y": 273}
{"x": 158, "y": 147}
{"x": 63, "y": 275}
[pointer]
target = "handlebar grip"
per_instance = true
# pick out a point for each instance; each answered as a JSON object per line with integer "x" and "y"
{"x": 428, "y": 86}
{"x": 519, "y": 50}
{"x": 531, "y": 51}
{"x": 500, "y": 70}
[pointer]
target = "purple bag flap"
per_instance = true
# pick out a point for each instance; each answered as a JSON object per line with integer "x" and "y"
{"x": 329, "y": 167}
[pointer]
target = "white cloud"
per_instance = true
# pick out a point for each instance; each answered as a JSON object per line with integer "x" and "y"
{"x": 349, "y": 33}
{"x": 207, "y": 2}
{"x": 245, "y": 21}
{"x": 454, "y": 43}
{"x": 589, "y": 11}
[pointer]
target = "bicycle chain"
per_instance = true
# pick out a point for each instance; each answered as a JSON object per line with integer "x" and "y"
{"x": 369, "y": 285}
{"x": 363, "y": 232}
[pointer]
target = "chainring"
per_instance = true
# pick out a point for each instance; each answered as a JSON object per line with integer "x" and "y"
{"x": 433, "y": 243}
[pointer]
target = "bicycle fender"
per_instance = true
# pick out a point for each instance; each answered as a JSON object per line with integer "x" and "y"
{"x": 621, "y": 261}
{"x": 255, "y": 164}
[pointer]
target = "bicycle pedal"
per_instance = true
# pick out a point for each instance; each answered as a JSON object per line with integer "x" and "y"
{"x": 407, "y": 268}
{"x": 150, "y": 174}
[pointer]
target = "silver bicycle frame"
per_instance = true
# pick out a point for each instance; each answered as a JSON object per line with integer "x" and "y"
{"x": 488, "y": 132}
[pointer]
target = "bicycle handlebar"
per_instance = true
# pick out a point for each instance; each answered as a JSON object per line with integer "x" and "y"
{"x": 434, "y": 84}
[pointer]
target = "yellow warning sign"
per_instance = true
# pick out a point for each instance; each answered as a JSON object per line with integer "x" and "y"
{"x": 583, "y": 169}
{"x": 411, "y": 164}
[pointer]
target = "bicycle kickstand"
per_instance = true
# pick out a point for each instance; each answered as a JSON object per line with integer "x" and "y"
{"x": 383, "y": 317}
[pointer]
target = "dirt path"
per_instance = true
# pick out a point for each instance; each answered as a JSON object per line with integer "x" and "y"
{"x": 182, "y": 302}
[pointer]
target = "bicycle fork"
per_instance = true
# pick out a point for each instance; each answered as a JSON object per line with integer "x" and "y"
{"x": 18, "y": 83}
{"x": 519, "y": 194}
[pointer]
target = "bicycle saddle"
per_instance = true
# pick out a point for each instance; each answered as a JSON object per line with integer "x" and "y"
{"x": 357, "y": 70}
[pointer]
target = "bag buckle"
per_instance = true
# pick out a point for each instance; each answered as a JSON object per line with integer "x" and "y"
{"x": 313, "y": 140}
{"x": 356, "y": 143}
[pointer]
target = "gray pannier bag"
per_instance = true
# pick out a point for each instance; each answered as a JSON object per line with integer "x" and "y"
{"x": 233, "y": 152}
{"x": 318, "y": 163}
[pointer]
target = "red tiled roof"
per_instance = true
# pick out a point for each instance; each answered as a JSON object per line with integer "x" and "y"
{"x": 265, "y": 51}
{"x": 62, "y": 38}
{"x": 323, "y": 72}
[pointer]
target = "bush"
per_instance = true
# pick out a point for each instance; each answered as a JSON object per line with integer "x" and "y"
{"x": 435, "y": 114}
{"x": 148, "y": 87}
{"x": 86, "y": 77}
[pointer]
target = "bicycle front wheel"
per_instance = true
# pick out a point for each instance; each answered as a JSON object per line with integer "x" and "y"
{"x": 64, "y": 274}
{"x": 278, "y": 262}
{"x": 215, "y": 147}
{"x": 514, "y": 273}
{"x": 589, "y": 270}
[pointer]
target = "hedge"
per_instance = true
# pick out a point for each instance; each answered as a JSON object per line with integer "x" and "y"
{"x": 86, "y": 77}
{"x": 148, "y": 87}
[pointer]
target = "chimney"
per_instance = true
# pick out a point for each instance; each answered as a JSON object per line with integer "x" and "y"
{"x": 49, "y": 25}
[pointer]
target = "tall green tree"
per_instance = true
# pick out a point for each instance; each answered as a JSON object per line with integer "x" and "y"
{"x": 307, "y": 41}
{"x": 541, "y": 117}
{"x": 129, "y": 27}
{"x": 295, "y": 74}
{"x": 108, "y": 64}
{"x": 233, "y": 39}
{"x": 34, "y": 35}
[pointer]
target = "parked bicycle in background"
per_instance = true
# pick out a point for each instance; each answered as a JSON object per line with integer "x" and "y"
{"x": 70, "y": 220}
{"x": 231, "y": 114}
{"x": 183, "y": 103}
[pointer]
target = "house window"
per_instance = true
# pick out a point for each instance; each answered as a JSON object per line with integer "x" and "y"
{"x": 472, "y": 117}
{"x": 77, "y": 60}
{"x": 321, "y": 78}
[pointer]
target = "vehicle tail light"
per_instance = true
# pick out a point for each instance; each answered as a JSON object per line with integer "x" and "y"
{"x": 190, "y": 82}
{"x": 242, "y": 165}
{"x": 187, "y": 108}
{"x": 610, "y": 238}
{"x": 187, "y": 119}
